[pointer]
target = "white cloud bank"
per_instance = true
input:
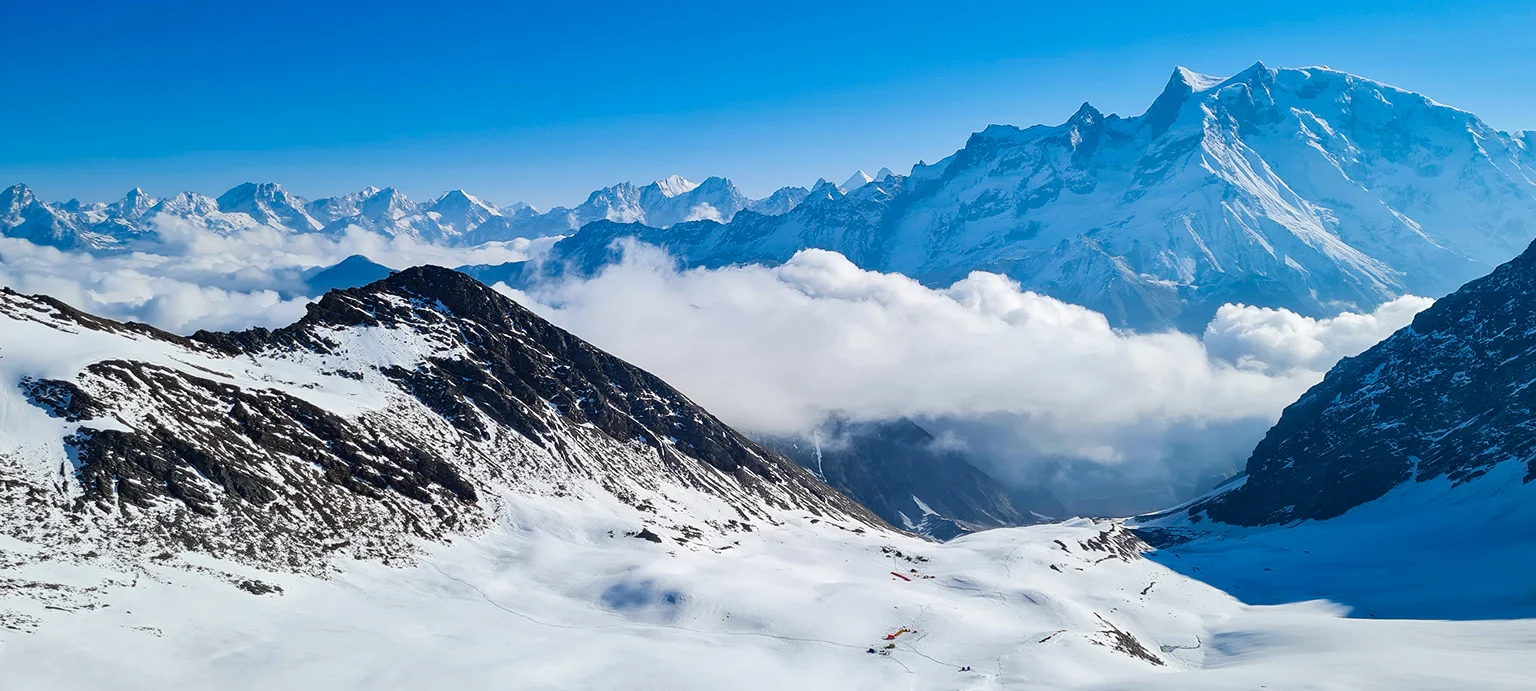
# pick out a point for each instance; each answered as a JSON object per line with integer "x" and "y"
{"x": 190, "y": 277}
{"x": 1040, "y": 390}
{"x": 1045, "y": 391}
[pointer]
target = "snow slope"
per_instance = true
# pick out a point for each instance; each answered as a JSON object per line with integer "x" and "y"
{"x": 555, "y": 597}
{"x": 1432, "y": 550}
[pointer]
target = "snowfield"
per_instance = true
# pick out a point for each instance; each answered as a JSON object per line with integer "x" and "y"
{"x": 557, "y": 597}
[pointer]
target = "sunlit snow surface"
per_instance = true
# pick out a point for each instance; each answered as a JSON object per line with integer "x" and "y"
{"x": 551, "y": 599}
{"x": 1426, "y": 550}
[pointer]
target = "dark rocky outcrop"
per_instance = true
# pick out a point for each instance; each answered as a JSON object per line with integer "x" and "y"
{"x": 1449, "y": 396}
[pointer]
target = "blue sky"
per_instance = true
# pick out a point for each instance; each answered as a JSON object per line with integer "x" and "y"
{"x": 521, "y": 101}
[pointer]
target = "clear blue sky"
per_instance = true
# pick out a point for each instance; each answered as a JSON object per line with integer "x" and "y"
{"x": 529, "y": 101}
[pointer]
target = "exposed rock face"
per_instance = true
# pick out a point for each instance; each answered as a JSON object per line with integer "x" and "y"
{"x": 901, "y": 472}
{"x": 399, "y": 411}
{"x": 1448, "y": 396}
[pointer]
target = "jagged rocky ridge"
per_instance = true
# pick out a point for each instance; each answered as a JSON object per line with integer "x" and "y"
{"x": 391, "y": 413}
{"x": 1400, "y": 486}
{"x": 1448, "y": 396}
{"x": 1307, "y": 189}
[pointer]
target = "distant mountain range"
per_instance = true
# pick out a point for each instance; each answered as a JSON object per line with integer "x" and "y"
{"x": 1307, "y": 189}
{"x": 456, "y": 217}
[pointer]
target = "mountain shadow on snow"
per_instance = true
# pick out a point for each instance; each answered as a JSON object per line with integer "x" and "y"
{"x": 1409, "y": 468}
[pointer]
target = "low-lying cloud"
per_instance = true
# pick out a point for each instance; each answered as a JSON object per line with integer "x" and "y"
{"x": 189, "y": 277}
{"x": 1037, "y": 390}
{"x": 1043, "y": 391}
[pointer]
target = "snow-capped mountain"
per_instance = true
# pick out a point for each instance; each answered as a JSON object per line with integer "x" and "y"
{"x": 133, "y": 207}
{"x": 399, "y": 411}
{"x": 674, "y": 185}
{"x": 454, "y": 218}
{"x": 782, "y": 201}
{"x": 461, "y": 211}
{"x": 23, "y": 215}
{"x": 1420, "y": 446}
{"x": 268, "y": 204}
{"x": 1308, "y": 189}
{"x": 660, "y": 204}
{"x": 861, "y": 178}
{"x": 855, "y": 181}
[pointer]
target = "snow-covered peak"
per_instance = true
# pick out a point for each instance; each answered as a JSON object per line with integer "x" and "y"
{"x": 387, "y": 203}
{"x": 14, "y": 198}
{"x": 425, "y": 377}
{"x": 857, "y": 180}
{"x": 673, "y": 185}
{"x": 883, "y": 174}
{"x": 331, "y": 208}
{"x": 459, "y": 199}
{"x": 270, "y": 204}
{"x": 133, "y": 205}
{"x": 247, "y": 193}
{"x": 1192, "y": 80}
{"x": 922, "y": 170}
{"x": 1257, "y": 72}
{"x": 23, "y": 215}
{"x": 782, "y": 201}
{"x": 1086, "y": 115}
{"x": 458, "y": 212}
{"x": 187, "y": 204}
{"x": 75, "y": 206}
